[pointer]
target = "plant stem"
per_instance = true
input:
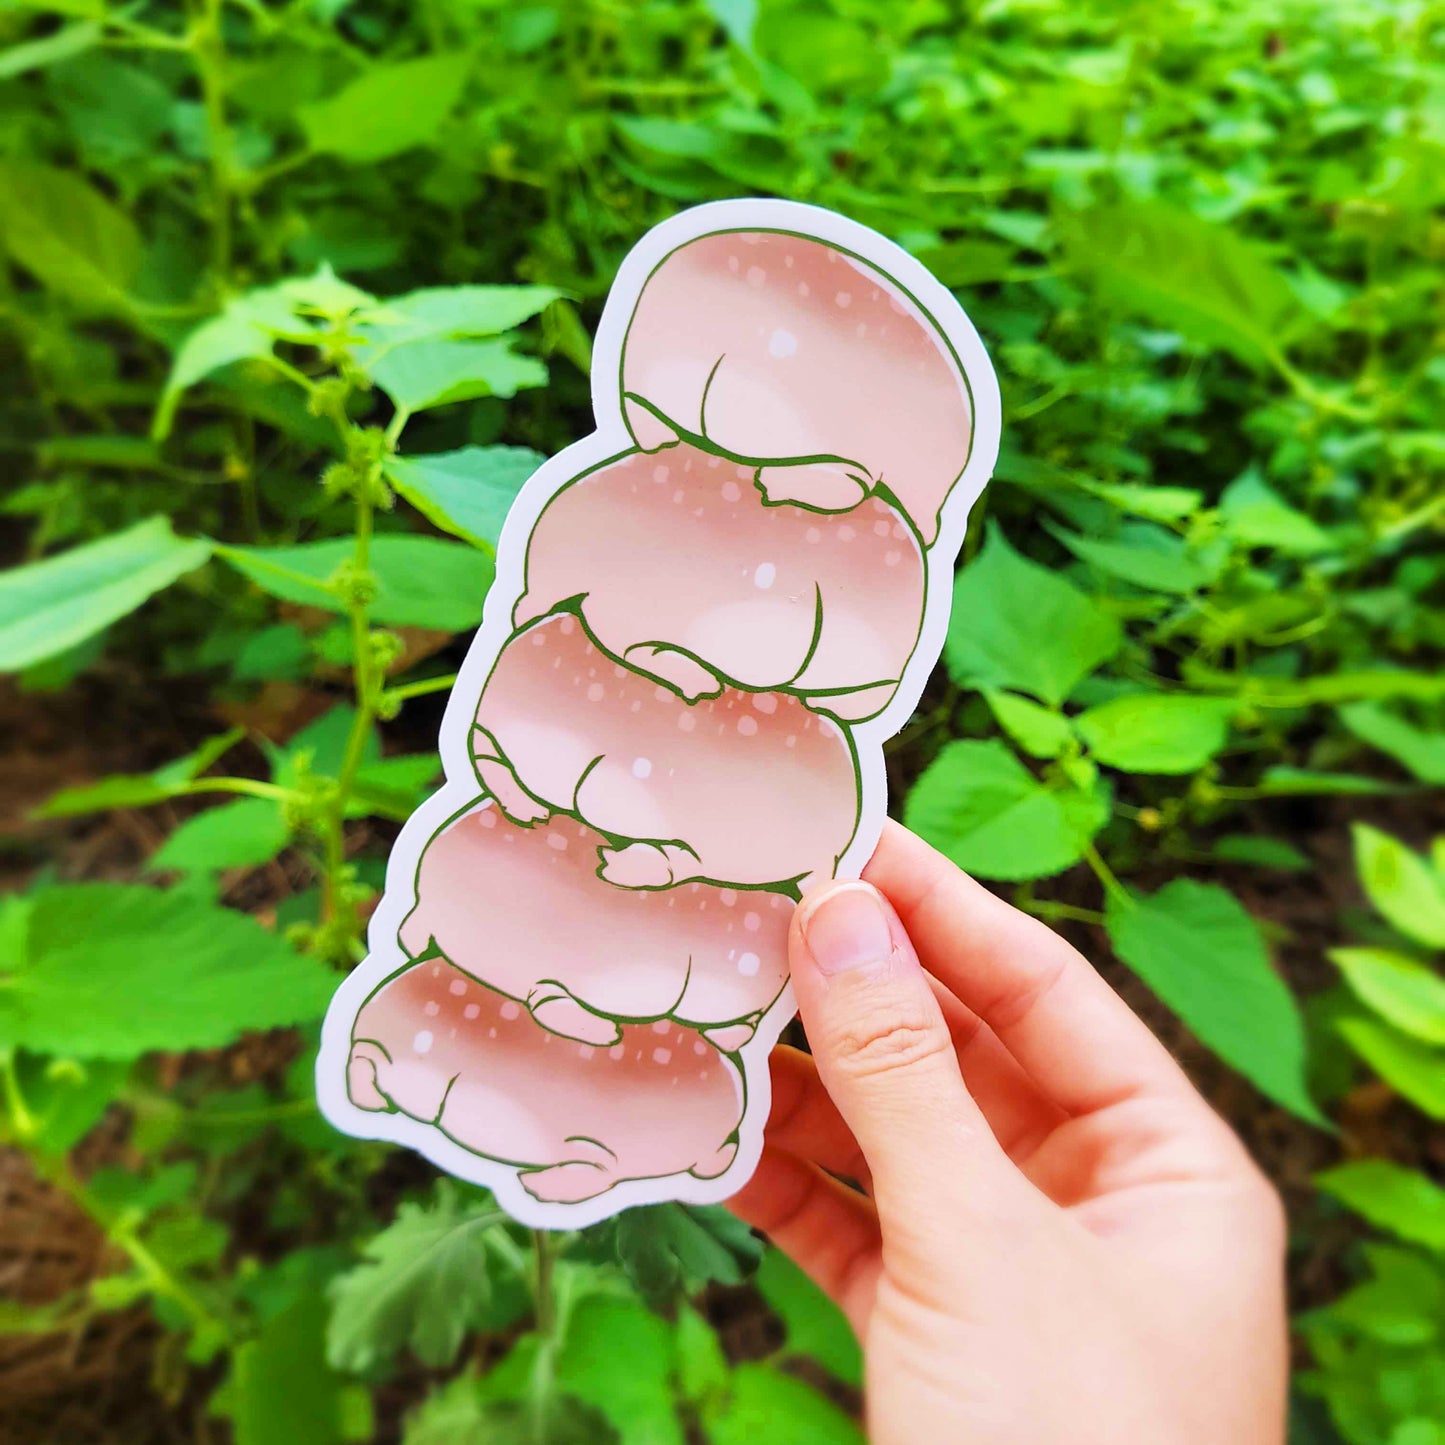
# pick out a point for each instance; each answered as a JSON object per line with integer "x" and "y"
{"x": 209, "y": 48}
{"x": 1105, "y": 875}
{"x": 420, "y": 689}
{"x": 544, "y": 1248}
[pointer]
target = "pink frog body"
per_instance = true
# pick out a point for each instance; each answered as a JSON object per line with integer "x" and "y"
{"x": 805, "y": 361}
{"x": 523, "y": 910}
{"x": 751, "y": 789}
{"x": 683, "y": 570}
{"x": 433, "y": 1043}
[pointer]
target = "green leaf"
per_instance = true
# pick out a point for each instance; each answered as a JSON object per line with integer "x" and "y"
{"x": 1421, "y": 752}
{"x": 702, "y": 1368}
{"x": 139, "y": 790}
{"x": 49, "y": 50}
{"x": 1179, "y": 271}
{"x": 388, "y": 108}
{"x": 1391, "y": 1197}
{"x": 421, "y": 581}
{"x": 978, "y": 804}
{"x": 1158, "y": 504}
{"x": 111, "y": 971}
{"x": 1255, "y": 515}
{"x": 243, "y": 834}
{"x": 456, "y": 311}
{"x": 437, "y": 370}
{"x": 1399, "y": 989}
{"x": 1401, "y": 884}
{"x": 617, "y": 1357}
{"x": 666, "y": 1248}
{"x": 49, "y": 606}
{"x": 68, "y": 236}
{"x": 1202, "y": 953}
{"x": 765, "y": 1407}
{"x": 466, "y": 492}
{"x": 1144, "y": 556}
{"x": 1414, "y": 1070}
{"x": 66, "y": 1098}
{"x": 1404, "y": 1302}
{"x": 1156, "y": 732}
{"x": 1286, "y": 782}
{"x": 1039, "y": 731}
{"x": 1018, "y": 625}
{"x": 1261, "y": 852}
{"x": 429, "y": 1278}
{"x": 814, "y": 1326}
{"x": 279, "y": 1387}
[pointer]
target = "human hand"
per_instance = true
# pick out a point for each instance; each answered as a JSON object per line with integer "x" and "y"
{"x": 1060, "y": 1242}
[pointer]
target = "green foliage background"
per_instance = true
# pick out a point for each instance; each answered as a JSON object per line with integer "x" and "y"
{"x": 292, "y": 299}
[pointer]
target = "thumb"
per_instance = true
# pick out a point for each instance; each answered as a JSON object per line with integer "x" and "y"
{"x": 885, "y": 1054}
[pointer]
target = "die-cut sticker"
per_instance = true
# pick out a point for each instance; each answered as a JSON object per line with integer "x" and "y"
{"x": 707, "y": 618}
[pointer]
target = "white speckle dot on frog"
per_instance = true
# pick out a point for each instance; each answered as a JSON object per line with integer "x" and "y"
{"x": 422, "y": 1043}
{"x": 765, "y": 575}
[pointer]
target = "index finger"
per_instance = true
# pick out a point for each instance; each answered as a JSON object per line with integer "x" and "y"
{"x": 1074, "y": 1036}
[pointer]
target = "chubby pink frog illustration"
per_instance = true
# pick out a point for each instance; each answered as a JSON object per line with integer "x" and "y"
{"x": 522, "y": 909}
{"x": 686, "y": 572}
{"x": 575, "y": 1119}
{"x": 745, "y": 788}
{"x": 805, "y": 361}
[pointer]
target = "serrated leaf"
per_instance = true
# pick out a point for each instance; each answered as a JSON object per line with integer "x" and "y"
{"x": 111, "y": 971}
{"x": 1179, "y": 271}
{"x": 1202, "y": 953}
{"x": 49, "y": 606}
{"x": 1017, "y": 625}
{"x": 467, "y": 492}
{"x": 1422, "y": 753}
{"x": 1414, "y": 1070}
{"x": 243, "y": 834}
{"x": 665, "y": 1248}
{"x": 1401, "y": 884}
{"x": 1039, "y": 731}
{"x": 438, "y": 370}
{"x": 979, "y": 805}
{"x": 430, "y": 1277}
{"x": 1391, "y": 1197}
{"x": 68, "y": 235}
{"x": 1156, "y": 732}
{"x": 421, "y": 581}
{"x": 388, "y": 109}
{"x": 814, "y": 1326}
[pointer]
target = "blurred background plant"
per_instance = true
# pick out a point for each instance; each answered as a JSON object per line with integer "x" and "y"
{"x": 293, "y": 297}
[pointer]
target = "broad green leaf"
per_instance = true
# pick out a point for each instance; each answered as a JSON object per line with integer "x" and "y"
{"x": 139, "y": 790}
{"x": 978, "y": 804}
{"x": 1286, "y": 782}
{"x": 617, "y": 1357}
{"x": 1406, "y": 993}
{"x": 1018, "y": 625}
{"x": 72, "y": 239}
{"x": 1391, "y": 1197}
{"x": 1202, "y": 953}
{"x": 1179, "y": 271}
{"x": 433, "y": 1275}
{"x": 456, "y": 311}
{"x": 702, "y": 1368}
{"x": 280, "y": 1388}
{"x": 1144, "y": 556}
{"x": 392, "y": 787}
{"x": 111, "y": 971}
{"x": 458, "y": 1413}
{"x": 1158, "y": 504}
{"x": 1414, "y": 1070}
{"x": 814, "y": 1326}
{"x": 243, "y": 834}
{"x": 437, "y": 370}
{"x": 766, "y": 1407}
{"x": 388, "y": 108}
{"x": 467, "y": 492}
{"x": 1156, "y": 732}
{"x": 1423, "y": 753}
{"x": 66, "y": 1098}
{"x": 1401, "y": 884}
{"x": 1257, "y": 516}
{"x": 1039, "y": 731}
{"x": 421, "y": 581}
{"x": 50, "y": 605}
{"x": 1402, "y": 1304}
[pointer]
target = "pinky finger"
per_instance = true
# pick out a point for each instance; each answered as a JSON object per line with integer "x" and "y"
{"x": 828, "y": 1230}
